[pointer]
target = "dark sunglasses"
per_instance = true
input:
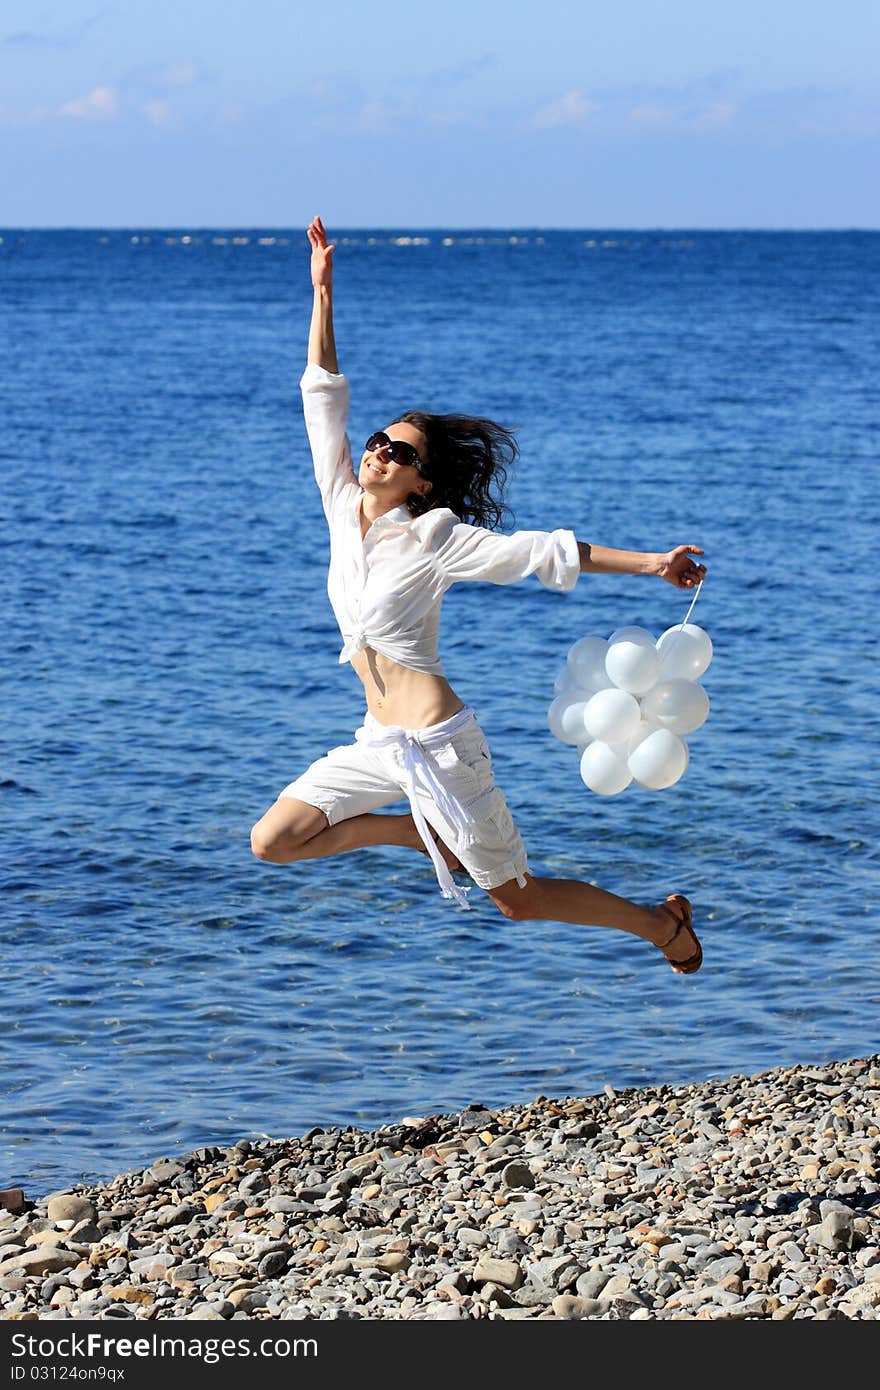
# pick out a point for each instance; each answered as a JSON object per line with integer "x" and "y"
{"x": 397, "y": 450}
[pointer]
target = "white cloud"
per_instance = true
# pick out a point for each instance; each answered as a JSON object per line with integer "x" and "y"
{"x": 720, "y": 113}
{"x": 371, "y": 117}
{"x": 97, "y": 106}
{"x": 651, "y": 115}
{"x": 375, "y": 117}
{"x": 158, "y": 112}
{"x": 231, "y": 113}
{"x": 682, "y": 114}
{"x": 572, "y": 109}
{"x": 182, "y": 74}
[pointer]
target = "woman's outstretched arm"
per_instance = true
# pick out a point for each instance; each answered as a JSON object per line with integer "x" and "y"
{"x": 675, "y": 566}
{"x": 473, "y": 553}
{"x": 322, "y": 345}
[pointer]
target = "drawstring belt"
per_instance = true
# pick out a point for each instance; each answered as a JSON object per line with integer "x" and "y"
{"x": 413, "y": 744}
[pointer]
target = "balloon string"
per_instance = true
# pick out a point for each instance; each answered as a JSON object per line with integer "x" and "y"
{"x": 693, "y": 601}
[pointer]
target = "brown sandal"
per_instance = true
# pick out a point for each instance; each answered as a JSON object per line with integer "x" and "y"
{"x": 679, "y": 909}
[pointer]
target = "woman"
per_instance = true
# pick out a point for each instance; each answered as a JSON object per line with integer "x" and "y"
{"x": 401, "y": 533}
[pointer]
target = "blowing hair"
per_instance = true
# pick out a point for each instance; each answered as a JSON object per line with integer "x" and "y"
{"x": 467, "y": 466}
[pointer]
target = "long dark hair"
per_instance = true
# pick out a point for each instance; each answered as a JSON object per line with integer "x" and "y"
{"x": 467, "y": 465}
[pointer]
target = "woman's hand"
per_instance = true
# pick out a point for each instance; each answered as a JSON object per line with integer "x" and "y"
{"x": 677, "y": 568}
{"x": 322, "y": 255}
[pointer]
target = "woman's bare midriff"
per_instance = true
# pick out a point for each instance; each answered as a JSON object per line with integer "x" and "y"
{"x": 397, "y": 695}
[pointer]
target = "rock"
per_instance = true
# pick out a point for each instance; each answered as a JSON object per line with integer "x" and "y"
{"x": 516, "y": 1174}
{"x": 254, "y": 1182}
{"x": 863, "y": 1296}
{"x": 275, "y": 1262}
{"x": 591, "y": 1283}
{"x": 395, "y": 1260}
{"x": 48, "y": 1237}
{"x": 209, "y": 1312}
{"x": 507, "y": 1273}
{"x": 177, "y": 1215}
{"x": 86, "y": 1233}
{"x": 12, "y": 1199}
{"x": 836, "y": 1230}
{"x": 558, "y": 1272}
{"x": 652, "y": 1236}
{"x": 153, "y": 1266}
{"x": 443, "y": 1312}
{"x": 225, "y": 1264}
{"x": 68, "y": 1207}
{"x": 45, "y": 1259}
{"x": 249, "y": 1300}
{"x": 164, "y": 1171}
{"x": 497, "y": 1296}
{"x": 475, "y": 1117}
{"x": 287, "y": 1205}
{"x": 566, "y": 1305}
{"x": 132, "y": 1293}
{"x": 720, "y": 1269}
{"x": 617, "y": 1284}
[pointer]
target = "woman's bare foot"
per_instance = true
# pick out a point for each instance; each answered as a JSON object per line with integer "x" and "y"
{"x": 676, "y": 937}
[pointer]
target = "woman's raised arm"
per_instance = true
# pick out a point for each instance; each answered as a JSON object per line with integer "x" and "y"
{"x": 322, "y": 345}
{"x": 324, "y": 388}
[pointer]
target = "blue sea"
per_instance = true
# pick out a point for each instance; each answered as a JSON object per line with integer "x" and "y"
{"x": 169, "y": 663}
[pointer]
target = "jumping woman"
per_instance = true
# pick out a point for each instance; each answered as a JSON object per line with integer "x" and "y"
{"x": 415, "y": 518}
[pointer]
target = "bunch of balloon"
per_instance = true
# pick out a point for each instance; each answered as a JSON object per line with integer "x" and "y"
{"x": 627, "y": 702}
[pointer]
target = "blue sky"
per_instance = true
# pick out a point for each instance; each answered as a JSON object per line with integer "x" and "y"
{"x": 644, "y": 113}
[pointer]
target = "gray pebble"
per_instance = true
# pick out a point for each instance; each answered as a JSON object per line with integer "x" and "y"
{"x": 517, "y": 1174}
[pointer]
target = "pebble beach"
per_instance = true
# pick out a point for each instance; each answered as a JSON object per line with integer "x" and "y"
{"x": 749, "y": 1197}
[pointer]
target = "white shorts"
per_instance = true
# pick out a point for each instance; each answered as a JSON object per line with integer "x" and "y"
{"x": 355, "y": 778}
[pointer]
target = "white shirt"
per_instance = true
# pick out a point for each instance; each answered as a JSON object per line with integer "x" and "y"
{"x": 386, "y": 587}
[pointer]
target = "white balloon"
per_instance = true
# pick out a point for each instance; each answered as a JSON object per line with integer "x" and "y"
{"x": 612, "y": 715}
{"x": 647, "y": 725}
{"x": 685, "y": 652}
{"x": 659, "y": 761}
{"x": 565, "y": 719}
{"x": 603, "y": 769}
{"x": 566, "y": 683}
{"x": 586, "y": 661}
{"x": 638, "y": 635}
{"x": 632, "y": 665}
{"x": 681, "y": 706}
